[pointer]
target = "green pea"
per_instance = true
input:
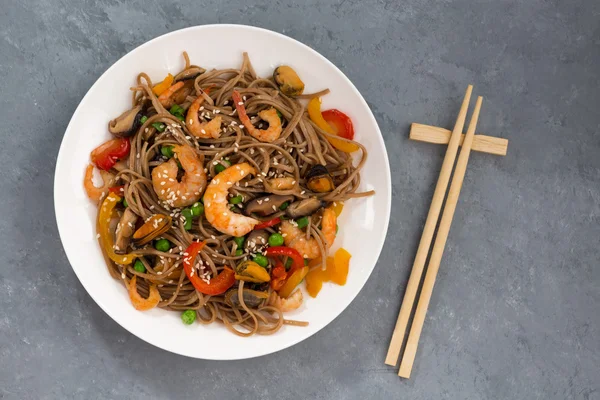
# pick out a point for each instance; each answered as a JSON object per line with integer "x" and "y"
{"x": 167, "y": 151}
{"x": 284, "y": 205}
{"x": 239, "y": 252}
{"x": 187, "y": 213}
{"x": 188, "y": 317}
{"x": 276, "y": 239}
{"x": 260, "y": 260}
{"x": 302, "y": 222}
{"x": 197, "y": 209}
{"x": 224, "y": 164}
{"x": 159, "y": 126}
{"x": 125, "y": 204}
{"x": 162, "y": 245}
{"x": 139, "y": 266}
{"x": 288, "y": 263}
{"x": 239, "y": 241}
{"x": 236, "y": 199}
{"x": 143, "y": 119}
{"x": 187, "y": 225}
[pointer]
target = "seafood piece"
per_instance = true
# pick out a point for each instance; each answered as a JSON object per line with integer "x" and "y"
{"x": 270, "y": 116}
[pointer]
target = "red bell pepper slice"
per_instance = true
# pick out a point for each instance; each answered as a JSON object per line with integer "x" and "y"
{"x": 267, "y": 224}
{"x": 117, "y": 189}
{"x": 218, "y": 284}
{"x": 340, "y": 122}
{"x": 278, "y": 276}
{"x": 107, "y": 154}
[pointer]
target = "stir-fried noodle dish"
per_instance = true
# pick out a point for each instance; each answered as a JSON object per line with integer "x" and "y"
{"x": 220, "y": 193}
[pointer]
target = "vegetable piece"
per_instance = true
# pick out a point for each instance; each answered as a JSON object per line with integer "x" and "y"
{"x": 107, "y": 154}
{"x": 340, "y": 123}
{"x": 298, "y": 261}
{"x": 222, "y": 166}
{"x": 267, "y": 224}
{"x": 197, "y": 209}
{"x": 167, "y": 151}
{"x": 106, "y": 238}
{"x": 302, "y": 222}
{"x": 125, "y": 204}
{"x": 162, "y": 245}
{"x": 117, "y": 189}
{"x": 256, "y": 241}
{"x": 139, "y": 266}
{"x": 260, "y": 260}
{"x": 314, "y": 112}
{"x": 177, "y": 111}
{"x": 276, "y": 239}
{"x": 251, "y": 271}
{"x": 239, "y": 241}
{"x": 236, "y": 199}
{"x": 143, "y": 119}
{"x": 188, "y": 317}
{"x": 154, "y": 226}
{"x": 284, "y": 205}
{"x": 217, "y": 285}
{"x": 316, "y": 277}
{"x": 159, "y": 88}
{"x": 189, "y": 74}
{"x": 293, "y": 281}
{"x": 337, "y": 207}
{"x": 267, "y": 205}
{"x": 304, "y": 207}
{"x": 278, "y": 277}
{"x": 159, "y": 126}
{"x": 239, "y": 252}
{"x": 341, "y": 262}
{"x": 127, "y": 123}
{"x": 288, "y": 81}
{"x": 139, "y": 303}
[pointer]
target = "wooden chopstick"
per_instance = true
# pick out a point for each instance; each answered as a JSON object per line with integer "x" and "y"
{"x": 426, "y": 237}
{"x": 438, "y": 247}
{"x": 481, "y": 143}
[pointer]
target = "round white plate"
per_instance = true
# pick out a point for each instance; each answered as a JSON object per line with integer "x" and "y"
{"x": 363, "y": 223}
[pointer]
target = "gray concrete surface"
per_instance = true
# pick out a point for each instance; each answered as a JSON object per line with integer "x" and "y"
{"x": 516, "y": 310}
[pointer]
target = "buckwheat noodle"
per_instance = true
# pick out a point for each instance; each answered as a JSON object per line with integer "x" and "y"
{"x": 301, "y": 145}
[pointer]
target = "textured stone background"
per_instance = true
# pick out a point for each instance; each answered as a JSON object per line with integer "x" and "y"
{"x": 515, "y": 312}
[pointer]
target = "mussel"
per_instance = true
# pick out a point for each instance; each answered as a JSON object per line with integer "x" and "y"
{"x": 267, "y": 205}
{"x": 250, "y": 271}
{"x": 126, "y": 124}
{"x": 318, "y": 179}
{"x": 252, "y": 298}
{"x": 155, "y": 226}
{"x": 288, "y": 81}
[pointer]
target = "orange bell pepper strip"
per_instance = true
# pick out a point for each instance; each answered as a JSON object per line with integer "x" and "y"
{"x": 314, "y": 112}
{"x": 106, "y": 240}
{"x": 341, "y": 262}
{"x": 293, "y": 281}
{"x": 159, "y": 88}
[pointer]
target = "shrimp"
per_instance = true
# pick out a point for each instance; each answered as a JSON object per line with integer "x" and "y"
{"x": 286, "y": 304}
{"x": 165, "y": 97}
{"x": 192, "y": 184}
{"x": 204, "y": 130}
{"x": 94, "y": 192}
{"x": 216, "y": 207}
{"x": 270, "y": 134}
{"x": 282, "y": 183}
{"x": 295, "y": 238}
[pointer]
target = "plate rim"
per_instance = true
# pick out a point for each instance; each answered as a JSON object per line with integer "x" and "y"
{"x": 387, "y": 172}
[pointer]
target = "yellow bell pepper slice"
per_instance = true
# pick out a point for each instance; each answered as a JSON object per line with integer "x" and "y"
{"x": 293, "y": 281}
{"x": 159, "y": 88}
{"x": 337, "y": 207}
{"x": 315, "y": 278}
{"x": 314, "y": 112}
{"x": 106, "y": 240}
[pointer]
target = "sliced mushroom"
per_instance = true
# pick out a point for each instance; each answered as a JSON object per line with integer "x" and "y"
{"x": 250, "y": 271}
{"x": 190, "y": 73}
{"x": 155, "y": 225}
{"x": 304, "y": 207}
{"x": 125, "y": 230}
{"x": 252, "y": 298}
{"x": 126, "y": 124}
{"x": 319, "y": 180}
{"x": 267, "y": 205}
{"x": 180, "y": 96}
{"x": 288, "y": 81}
{"x": 256, "y": 241}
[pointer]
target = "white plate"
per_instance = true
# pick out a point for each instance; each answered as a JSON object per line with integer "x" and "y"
{"x": 363, "y": 223}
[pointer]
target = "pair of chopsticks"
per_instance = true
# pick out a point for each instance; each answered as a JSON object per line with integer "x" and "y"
{"x": 440, "y": 241}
